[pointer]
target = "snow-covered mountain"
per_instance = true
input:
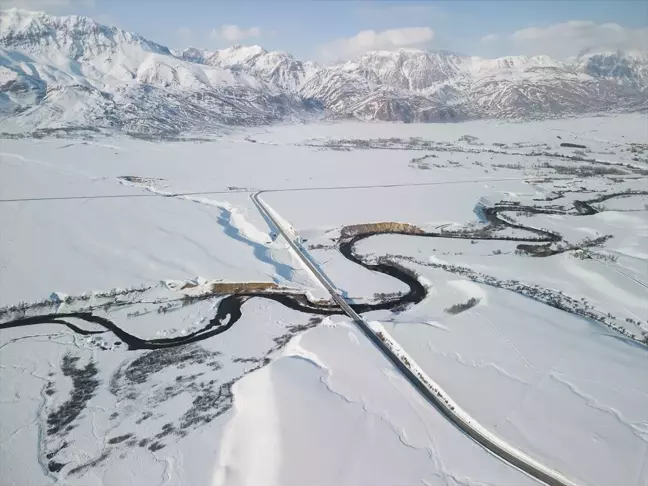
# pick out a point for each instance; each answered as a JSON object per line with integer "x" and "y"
{"x": 413, "y": 70}
{"x": 71, "y": 72}
{"x": 277, "y": 68}
{"x": 58, "y": 72}
{"x": 513, "y": 86}
{"x": 627, "y": 67}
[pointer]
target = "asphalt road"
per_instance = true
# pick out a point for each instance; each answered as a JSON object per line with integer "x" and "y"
{"x": 499, "y": 448}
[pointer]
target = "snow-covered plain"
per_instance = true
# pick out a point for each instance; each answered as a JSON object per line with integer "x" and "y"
{"x": 286, "y": 397}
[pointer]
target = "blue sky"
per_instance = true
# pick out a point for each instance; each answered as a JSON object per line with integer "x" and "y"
{"x": 329, "y": 29}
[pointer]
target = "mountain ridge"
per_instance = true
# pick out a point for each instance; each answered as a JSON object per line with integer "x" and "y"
{"x": 72, "y": 72}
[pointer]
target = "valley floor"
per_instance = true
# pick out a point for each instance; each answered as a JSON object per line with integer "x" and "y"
{"x": 155, "y": 327}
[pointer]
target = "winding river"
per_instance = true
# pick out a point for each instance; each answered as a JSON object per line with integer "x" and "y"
{"x": 229, "y": 310}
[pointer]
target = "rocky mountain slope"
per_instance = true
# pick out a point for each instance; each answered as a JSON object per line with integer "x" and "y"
{"x": 513, "y": 86}
{"x": 278, "y": 69}
{"x": 628, "y": 68}
{"x": 58, "y": 72}
{"x": 65, "y": 73}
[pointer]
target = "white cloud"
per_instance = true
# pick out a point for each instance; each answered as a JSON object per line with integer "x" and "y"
{"x": 491, "y": 38}
{"x": 571, "y": 38}
{"x": 370, "y": 40}
{"x": 184, "y": 35}
{"x": 234, "y": 33}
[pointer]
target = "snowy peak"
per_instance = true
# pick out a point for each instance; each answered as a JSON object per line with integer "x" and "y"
{"x": 74, "y": 72}
{"x": 231, "y": 56}
{"x": 78, "y": 51}
{"x": 418, "y": 70}
{"x": 75, "y": 36}
{"x": 415, "y": 85}
{"x": 279, "y": 69}
{"x": 512, "y": 63}
{"x": 517, "y": 68}
{"x": 627, "y": 67}
{"x": 238, "y": 55}
{"x": 191, "y": 54}
{"x": 406, "y": 68}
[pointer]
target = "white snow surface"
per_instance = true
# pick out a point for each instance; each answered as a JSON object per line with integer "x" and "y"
{"x": 303, "y": 399}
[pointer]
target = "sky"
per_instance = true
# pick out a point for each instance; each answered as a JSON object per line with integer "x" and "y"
{"x": 329, "y": 31}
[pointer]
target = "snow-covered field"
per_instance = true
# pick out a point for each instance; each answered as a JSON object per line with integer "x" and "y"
{"x": 124, "y": 358}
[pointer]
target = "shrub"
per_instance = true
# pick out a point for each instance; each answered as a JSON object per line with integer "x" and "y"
{"x": 461, "y": 307}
